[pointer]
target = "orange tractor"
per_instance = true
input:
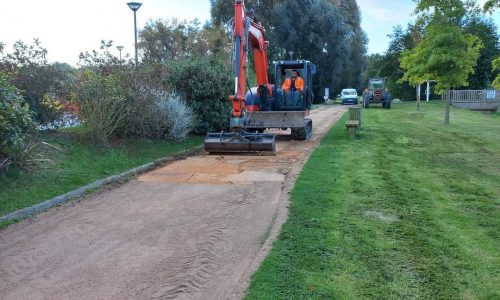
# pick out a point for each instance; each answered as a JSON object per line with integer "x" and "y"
{"x": 377, "y": 93}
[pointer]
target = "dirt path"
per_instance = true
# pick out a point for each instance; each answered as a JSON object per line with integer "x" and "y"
{"x": 194, "y": 229}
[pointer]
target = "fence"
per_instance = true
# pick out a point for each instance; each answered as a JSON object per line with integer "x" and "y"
{"x": 487, "y": 100}
{"x": 472, "y": 96}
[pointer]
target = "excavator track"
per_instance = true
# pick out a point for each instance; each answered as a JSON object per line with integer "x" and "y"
{"x": 303, "y": 133}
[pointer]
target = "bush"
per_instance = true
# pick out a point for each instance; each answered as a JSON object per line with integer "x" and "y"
{"x": 156, "y": 114}
{"x": 179, "y": 117}
{"x": 16, "y": 126}
{"x": 205, "y": 84}
{"x": 103, "y": 107}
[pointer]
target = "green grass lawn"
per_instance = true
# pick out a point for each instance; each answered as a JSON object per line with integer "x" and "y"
{"x": 79, "y": 164}
{"x": 409, "y": 210}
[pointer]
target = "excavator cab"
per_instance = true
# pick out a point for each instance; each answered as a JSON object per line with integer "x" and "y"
{"x": 293, "y": 100}
{"x": 282, "y": 101}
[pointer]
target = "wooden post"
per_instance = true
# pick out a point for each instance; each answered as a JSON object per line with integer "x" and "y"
{"x": 352, "y": 132}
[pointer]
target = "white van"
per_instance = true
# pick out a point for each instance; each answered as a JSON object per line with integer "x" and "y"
{"x": 349, "y": 96}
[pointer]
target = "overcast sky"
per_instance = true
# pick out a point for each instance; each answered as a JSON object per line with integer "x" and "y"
{"x": 67, "y": 27}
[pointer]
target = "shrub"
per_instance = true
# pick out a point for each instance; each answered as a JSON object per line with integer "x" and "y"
{"x": 205, "y": 84}
{"x": 103, "y": 107}
{"x": 179, "y": 117}
{"x": 156, "y": 114}
{"x": 16, "y": 126}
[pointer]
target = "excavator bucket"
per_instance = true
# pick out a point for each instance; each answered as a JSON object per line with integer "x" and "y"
{"x": 228, "y": 142}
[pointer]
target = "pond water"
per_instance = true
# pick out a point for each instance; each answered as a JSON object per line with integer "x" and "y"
{"x": 67, "y": 120}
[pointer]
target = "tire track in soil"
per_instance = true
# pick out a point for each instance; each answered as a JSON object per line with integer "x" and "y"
{"x": 160, "y": 238}
{"x": 196, "y": 267}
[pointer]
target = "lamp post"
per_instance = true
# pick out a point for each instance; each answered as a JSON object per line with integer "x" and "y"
{"x": 120, "y": 48}
{"x": 134, "y": 6}
{"x": 291, "y": 54}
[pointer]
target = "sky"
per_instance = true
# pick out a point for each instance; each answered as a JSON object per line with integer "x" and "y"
{"x": 66, "y": 28}
{"x": 379, "y": 17}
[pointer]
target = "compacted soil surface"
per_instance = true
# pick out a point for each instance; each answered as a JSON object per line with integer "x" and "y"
{"x": 194, "y": 229}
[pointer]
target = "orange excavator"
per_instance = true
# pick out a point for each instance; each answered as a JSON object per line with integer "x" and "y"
{"x": 267, "y": 105}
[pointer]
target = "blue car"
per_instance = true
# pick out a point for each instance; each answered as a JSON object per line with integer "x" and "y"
{"x": 349, "y": 96}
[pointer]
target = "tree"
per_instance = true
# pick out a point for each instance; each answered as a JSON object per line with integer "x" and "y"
{"x": 217, "y": 42}
{"x": 30, "y": 72}
{"x": 101, "y": 59}
{"x": 445, "y": 54}
{"x": 496, "y": 66}
{"x": 491, "y": 5}
{"x": 401, "y": 40}
{"x": 223, "y": 10}
{"x": 165, "y": 41}
{"x": 169, "y": 40}
{"x": 320, "y": 32}
{"x": 485, "y": 29}
{"x": 440, "y": 11}
{"x": 357, "y": 43}
{"x": 375, "y": 63}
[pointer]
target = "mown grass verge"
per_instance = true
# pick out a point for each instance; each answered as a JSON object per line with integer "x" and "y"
{"x": 79, "y": 164}
{"x": 409, "y": 210}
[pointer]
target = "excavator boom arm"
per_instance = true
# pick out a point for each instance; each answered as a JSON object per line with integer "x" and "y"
{"x": 247, "y": 32}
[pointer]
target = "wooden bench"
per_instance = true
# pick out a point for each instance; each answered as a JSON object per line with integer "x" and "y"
{"x": 354, "y": 121}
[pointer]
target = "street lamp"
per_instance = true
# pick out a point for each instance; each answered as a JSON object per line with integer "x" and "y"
{"x": 120, "y": 48}
{"x": 291, "y": 54}
{"x": 134, "y": 6}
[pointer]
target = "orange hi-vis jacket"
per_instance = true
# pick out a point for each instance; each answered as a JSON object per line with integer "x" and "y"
{"x": 299, "y": 84}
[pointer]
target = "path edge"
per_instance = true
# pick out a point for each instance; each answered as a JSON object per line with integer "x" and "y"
{"x": 23, "y": 213}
